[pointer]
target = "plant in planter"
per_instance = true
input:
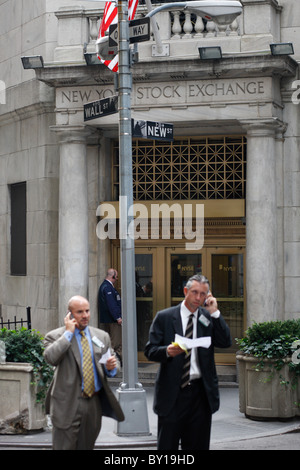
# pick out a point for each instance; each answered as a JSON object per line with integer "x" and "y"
{"x": 268, "y": 375}
{"x": 25, "y": 378}
{"x": 26, "y": 346}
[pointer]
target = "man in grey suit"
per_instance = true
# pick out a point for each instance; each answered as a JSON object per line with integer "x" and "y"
{"x": 76, "y": 414}
{"x": 186, "y": 389}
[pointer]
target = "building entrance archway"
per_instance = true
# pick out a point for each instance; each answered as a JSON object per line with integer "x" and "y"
{"x": 161, "y": 274}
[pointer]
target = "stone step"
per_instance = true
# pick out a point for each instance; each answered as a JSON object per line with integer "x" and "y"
{"x": 147, "y": 373}
{"x": 227, "y": 373}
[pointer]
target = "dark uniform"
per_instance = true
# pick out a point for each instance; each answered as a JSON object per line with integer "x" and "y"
{"x": 109, "y": 311}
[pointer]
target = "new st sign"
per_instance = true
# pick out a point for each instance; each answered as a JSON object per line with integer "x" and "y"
{"x": 152, "y": 130}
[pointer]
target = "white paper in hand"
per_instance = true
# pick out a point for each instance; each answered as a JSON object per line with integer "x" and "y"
{"x": 189, "y": 343}
{"x": 105, "y": 357}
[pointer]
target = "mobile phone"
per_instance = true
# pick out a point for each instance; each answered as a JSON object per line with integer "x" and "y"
{"x": 71, "y": 314}
{"x": 206, "y": 300}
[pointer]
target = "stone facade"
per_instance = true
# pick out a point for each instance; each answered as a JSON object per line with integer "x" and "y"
{"x": 66, "y": 163}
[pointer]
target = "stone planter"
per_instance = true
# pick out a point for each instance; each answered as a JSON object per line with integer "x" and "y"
{"x": 262, "y": 396}
{"x": 19, "y": 412}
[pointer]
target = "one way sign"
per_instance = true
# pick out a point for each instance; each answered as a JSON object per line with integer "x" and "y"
{"x": 139, "y": 30}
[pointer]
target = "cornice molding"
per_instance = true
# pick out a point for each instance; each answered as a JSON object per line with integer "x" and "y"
{"x": 163, "y": 70}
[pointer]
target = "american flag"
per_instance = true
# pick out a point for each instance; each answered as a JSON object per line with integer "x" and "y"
{"x": 110, "y": 16}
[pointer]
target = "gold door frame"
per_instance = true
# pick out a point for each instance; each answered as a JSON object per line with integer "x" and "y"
{"x": 161, "y": 270}
{"x": 225, "y": 357}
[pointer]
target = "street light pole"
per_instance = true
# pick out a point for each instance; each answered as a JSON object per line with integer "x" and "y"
{"x": 131, "y": 395}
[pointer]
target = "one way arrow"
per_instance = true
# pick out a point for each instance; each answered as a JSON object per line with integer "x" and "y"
{"x": 139, "y": 30}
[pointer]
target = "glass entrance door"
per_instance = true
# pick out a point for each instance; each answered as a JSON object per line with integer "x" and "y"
{"x": 162, "y": 272}
{"x": 224, "y": 268}
{"x": 182, "y": 267}
{"x": 144, "y": 296}
{"x": 228, "y": 286}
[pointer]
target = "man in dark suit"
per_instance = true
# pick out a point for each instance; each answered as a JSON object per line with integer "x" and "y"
{"x": 109, "y": 310}
{"x": 185, "y": 405}
{"x": 79, "y": 394}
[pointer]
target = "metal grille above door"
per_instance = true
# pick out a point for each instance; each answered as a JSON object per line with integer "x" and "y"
{"x": 186, "y": 169}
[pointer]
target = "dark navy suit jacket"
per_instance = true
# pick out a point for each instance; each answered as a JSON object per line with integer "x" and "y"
{"x": 109, "y": 303}
{"x": 162, "y": 333}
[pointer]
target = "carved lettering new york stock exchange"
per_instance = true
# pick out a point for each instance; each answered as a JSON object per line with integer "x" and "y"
{"x": 173, "y": 93}
{"x": 203, "y": 90}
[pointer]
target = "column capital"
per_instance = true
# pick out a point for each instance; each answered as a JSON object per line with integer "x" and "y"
{"x": 263, "y": 127}
{"x": 73, "y": 134}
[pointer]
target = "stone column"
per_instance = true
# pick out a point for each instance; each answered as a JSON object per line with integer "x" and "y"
{"x": 261, "y": 222}
{"x": 73, "y": 215}
{"x": 279, "y": 150}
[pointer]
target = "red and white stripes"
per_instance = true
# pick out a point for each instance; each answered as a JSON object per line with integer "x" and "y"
{"x": 110, "y": 16}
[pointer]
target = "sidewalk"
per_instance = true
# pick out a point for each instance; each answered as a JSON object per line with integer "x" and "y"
{"x": 229, "y": 427}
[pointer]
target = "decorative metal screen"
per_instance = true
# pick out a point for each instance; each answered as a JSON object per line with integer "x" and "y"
{"x": 187, "y": 168}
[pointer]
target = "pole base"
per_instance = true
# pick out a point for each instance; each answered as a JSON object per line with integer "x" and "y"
{"x": 134, "y": 405}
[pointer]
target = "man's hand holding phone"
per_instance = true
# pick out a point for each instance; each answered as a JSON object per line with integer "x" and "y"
{"x": 70, "y": 322}
{"x": 211, "y": 303}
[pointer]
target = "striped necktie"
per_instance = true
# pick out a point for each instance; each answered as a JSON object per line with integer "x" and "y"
{"x": 87, "y": 366}
{"x": 185, "y": 378}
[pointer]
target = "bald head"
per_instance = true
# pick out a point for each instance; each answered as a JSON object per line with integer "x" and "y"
{"x": 112, "y": 275}
{"x": 75, "y": 300}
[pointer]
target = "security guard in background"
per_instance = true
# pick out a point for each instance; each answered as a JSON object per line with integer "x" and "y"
{"x": 109, "y": 310}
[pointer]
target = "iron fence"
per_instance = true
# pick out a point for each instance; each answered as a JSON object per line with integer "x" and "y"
{"x": 12, "y": 324}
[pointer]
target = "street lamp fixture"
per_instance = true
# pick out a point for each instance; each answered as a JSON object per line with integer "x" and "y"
{"x": 33, "y": 62}
{"x": 285, "y": 48}
{"x": 91, "y": 58}
{"x": 222, "y": 12}
{"x": 210, "y": 53}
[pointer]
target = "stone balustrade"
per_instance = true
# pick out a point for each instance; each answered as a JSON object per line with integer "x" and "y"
{"x": 254, "y": 30}
{"x": 185, "y": 25}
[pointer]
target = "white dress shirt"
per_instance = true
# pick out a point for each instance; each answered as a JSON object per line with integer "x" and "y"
{"x": 195, "y": 372}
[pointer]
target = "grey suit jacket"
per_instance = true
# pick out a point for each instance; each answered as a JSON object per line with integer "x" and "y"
{"x": 65, "y": 389}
